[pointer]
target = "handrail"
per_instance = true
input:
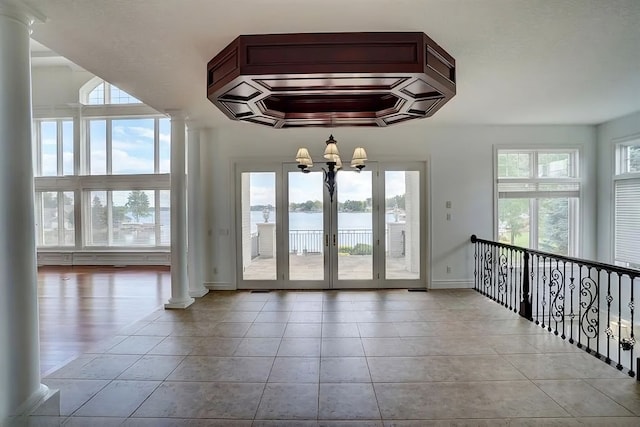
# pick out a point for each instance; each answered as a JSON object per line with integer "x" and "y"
{"x": 589, "y": 303}
{"x": 580, "y": 261}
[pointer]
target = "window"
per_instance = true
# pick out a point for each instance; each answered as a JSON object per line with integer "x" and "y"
{"x": 109, "y": 185}
{"x": 538, "y": 199}
{"x": 105, "y": 93}
{"x": 126, "y": 146}
{"x": 55, "y": 221}
{"x": 627, "y": 205}
{"x": 54, "y": 142}
{"x": 128, "y": 218}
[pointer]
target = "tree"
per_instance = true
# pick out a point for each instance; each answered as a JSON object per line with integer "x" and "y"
{"x": 138, "y": 204}
{"x": 98, "y": 213}
{"x": 514, "y": 215}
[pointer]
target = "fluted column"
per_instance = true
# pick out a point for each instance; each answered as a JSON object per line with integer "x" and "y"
{"x": 20, "y": 388}
{"x": 195, "y": 211}
{"x": 179, "y": 282}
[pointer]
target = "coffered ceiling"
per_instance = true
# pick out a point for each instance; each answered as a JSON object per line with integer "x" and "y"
{"x": 517, "y": 61}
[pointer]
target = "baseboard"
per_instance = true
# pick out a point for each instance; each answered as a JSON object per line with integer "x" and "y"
{"x": 220, "y": 286}
{"x": 117, "y": 258}
{"x": 452, "y": 284}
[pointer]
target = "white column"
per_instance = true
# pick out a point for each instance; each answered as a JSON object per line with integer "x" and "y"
{"x": 195, "y": 211}
{"x": 20, "y": 388}
{"x": 179, "y": 283}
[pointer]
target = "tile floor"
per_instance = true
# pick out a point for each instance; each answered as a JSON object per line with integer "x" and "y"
{"x": 348, "y": 358}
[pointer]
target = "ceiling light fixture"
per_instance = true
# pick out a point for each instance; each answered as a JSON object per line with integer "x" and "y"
{"x": 331, "y": 154}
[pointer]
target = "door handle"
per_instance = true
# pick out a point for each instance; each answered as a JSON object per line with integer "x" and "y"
{"x": 334, "y": 240}
{"x": 326, "y": 240}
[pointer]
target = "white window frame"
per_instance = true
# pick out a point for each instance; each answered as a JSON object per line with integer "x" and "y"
{"x": 81, "y": 182}
{"x": 575, "y": 200}
{"x": 621, "y": 173}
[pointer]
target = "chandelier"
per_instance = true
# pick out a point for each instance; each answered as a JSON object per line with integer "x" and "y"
{"x": 331, "y": 154}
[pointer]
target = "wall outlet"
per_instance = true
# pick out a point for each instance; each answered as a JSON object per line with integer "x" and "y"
{"x": 448, "y": 204}
{"x": 448, "y": 217}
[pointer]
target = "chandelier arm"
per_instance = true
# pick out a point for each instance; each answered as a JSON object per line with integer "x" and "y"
{"x": 330, "y": 178}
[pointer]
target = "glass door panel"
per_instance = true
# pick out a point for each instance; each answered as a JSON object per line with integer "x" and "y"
{"x": 306, "y": 235}
{"x": 258, "y": 219}
{"x": 402, "y": 224}
{"x": 354, "y": 240}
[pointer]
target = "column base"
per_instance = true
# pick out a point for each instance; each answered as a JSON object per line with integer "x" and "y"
{"x": 43, "y": 402}
{"x": 179, "y": 303}
{"x": 198, "y": 293}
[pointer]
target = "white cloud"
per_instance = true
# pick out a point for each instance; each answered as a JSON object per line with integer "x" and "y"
{"x": 122, "y": 162}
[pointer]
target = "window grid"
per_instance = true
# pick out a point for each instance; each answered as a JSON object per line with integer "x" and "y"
{"x": 526, "y": 198}
{"x": 74, "y": 192}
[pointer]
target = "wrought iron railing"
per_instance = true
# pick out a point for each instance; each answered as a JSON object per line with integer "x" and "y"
{"x": 587, "y": 303}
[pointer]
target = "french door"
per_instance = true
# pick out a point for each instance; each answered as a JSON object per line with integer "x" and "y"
{"x": 293, "y": 234}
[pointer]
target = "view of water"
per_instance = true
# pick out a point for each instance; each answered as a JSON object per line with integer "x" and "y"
{"x": 313, "y": 220}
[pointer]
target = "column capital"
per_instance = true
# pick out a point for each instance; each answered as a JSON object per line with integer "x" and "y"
{"x": 21, "y": 12}
{"x": 176, "y": 114}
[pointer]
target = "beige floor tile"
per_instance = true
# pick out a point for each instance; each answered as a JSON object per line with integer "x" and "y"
{"x": 175, "y": 346}
{"x": 258, "y": 347}
{"x": 625, "y": 392}
{"x": 223, "y": 369}
{"x": 491, "y": 399}
{"x": 214, "y": 346}
{"x": 377, "y": 330}
{"x": 341, "y": 347}
{"x": 303, "y": 330}
{"x": 348, "y": 401}
{"x": 299, "y": 347}
{"x": 184, "y": 422}
{"x": 101, "y": 367}
{"x": 344, "y": 369}
{"x": 305, "y": 317}
{"x": 443, "y": 346}
{"x": 74, "y": 393}
{"x": 202, "y": 400}
{"x": 118, "y": 399}
{"x": 266, "y": 330}
{"x": 609, "y": 422}
{"x": 151, "y": 368}
{"x": 562, "y": 366}
{"x": 581, "y": 399}
{"x": 273, "y": 317}
{"x": 94, "y": 422}
{"x": 295, "y": 370}
{"x": 388, "y": 347}
{"x": 340, "y": 330}
{"x": 289, "y": 401}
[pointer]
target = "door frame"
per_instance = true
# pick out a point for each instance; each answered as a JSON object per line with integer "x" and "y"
{"x": 378, "y": 280}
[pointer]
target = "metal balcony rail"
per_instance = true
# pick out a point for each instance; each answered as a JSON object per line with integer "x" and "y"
{"x": 587, "y": 303}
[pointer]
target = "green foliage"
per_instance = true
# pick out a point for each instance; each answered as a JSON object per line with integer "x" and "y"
{"x": 308, "y": 206}
{"x": 553, "y": 229}
{"x": 394, "y": 201}
{"x": 358, "y": 249}
{"x": 137, "y": 204}
{"x": 98, "y": 213}
{"x": 634, "y": 158}
{"x": 513, "y": 214}
{"x": 353, "y": 206}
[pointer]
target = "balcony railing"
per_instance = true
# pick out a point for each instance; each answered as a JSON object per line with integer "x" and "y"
{"x": 587, "y": 303}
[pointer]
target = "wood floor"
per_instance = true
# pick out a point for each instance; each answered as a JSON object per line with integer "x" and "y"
{"x": 81, "y": 306}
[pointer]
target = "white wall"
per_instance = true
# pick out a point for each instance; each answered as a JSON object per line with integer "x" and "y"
{"x": 460, "y": 170}
{"x": 609, "y": 134}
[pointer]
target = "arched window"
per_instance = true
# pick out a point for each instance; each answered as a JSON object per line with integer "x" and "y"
{"x": 98, "y": 92}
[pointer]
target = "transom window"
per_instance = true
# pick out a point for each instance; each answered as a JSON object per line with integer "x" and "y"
{"x": 106, "y": 93}
{"x": 538, "y": 199}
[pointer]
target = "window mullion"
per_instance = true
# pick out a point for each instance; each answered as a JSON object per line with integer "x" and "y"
{"x": 59, "y": 148}
{"x": 156, "y": 145}
{"x": 109, "y": 146}
{"x": 157, "y": 226}
{"x": 38, "y": 165}
{"x": 109, "y": 218}
{"x": 61, "y": 238}
{"x": 533, "y": 223}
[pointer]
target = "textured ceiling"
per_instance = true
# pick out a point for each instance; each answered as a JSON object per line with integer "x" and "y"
{"x": 518, "y": 61}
